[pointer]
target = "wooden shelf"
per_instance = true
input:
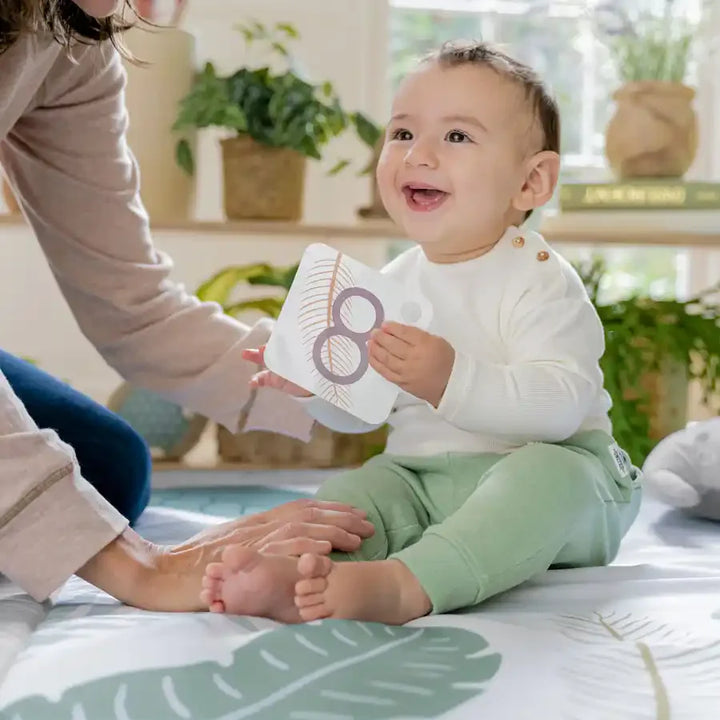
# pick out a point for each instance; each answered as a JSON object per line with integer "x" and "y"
{"x": 365, "y": 229}
{"x": 685, "y": 228}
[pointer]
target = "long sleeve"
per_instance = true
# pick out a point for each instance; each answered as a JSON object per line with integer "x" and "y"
{"x": 69, "y": 164}
{"x": 545, "y": 387}
{"x": 77, "y": 181}
{"x": 51, "y": 520}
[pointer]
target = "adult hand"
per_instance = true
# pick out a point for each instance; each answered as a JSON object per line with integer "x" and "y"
{"x": 294, "y": 528}
{"x": 168, "y": 579}
{"x": 412, "y": 359}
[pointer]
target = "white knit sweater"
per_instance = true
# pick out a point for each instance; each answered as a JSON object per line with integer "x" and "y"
{"x": 527, "y": 346}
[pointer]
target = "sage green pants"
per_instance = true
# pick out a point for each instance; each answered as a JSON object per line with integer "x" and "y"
{"x": 472, "y": 526}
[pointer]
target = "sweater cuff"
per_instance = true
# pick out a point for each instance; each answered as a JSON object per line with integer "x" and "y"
{"x": 56, "y": 533}
{"x": 458, "y": 386}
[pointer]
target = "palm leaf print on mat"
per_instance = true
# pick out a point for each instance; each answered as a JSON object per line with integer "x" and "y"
{"x": 628, "y": 666}
{"x": 325, "y": 281}
{"x": 338, "y": 670}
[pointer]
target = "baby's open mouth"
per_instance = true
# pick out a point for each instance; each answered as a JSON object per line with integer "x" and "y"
{"x": 423, "y": 197}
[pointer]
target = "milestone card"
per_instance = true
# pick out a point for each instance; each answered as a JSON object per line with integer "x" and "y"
{"x": 320, "y": 339}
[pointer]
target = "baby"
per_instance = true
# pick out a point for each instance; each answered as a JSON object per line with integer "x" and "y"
{"x": 500, "y": 463}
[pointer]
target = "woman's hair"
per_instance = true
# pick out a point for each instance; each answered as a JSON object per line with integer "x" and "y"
{"x": 63, "y": 19}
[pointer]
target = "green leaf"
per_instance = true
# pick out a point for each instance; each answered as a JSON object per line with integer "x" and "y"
{"x": 288, "y": 29}
{"x": 339, "y": 166}
{"x": 248, "y": 34}
{"x": 220, "y": 286}
{"x": 330, "y": 669}
{"x": 279, "y": 47}
{"x": 270, "y": 306}
{"x": 367, "y": 130}
{"x": 261, "y": 30}
{"x": 184, "y": 156}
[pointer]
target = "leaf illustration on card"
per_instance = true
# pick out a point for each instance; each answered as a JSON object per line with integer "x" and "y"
{"x": 334, "y": 669}
{"x": 623, "y": 658}
{"x": 326, "y": 279}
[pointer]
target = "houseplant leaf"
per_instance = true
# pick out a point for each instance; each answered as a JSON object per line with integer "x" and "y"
{"x": 270, "y": 306}
{"x": 219, "y": 287}
{"x": 184, "y": 156}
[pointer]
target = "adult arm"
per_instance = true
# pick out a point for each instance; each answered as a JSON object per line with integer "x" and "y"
{"x": 77, "y": 181}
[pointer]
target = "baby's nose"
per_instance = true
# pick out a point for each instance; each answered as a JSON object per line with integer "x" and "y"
{"x": 421, "y": 155}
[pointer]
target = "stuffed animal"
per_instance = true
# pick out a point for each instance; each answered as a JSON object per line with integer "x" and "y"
{"x": 684, "y": 469}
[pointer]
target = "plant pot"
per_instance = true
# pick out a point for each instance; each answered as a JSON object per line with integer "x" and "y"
{"x": 153, "y": 93}
{"x": 169, "y": 431}
{"x": 9, "y": 198}
{"x": 262, "y": 182}
{"x": 668, "y": 391}
{"x": 654, "y": 132}
{"x": 325, "y": 449}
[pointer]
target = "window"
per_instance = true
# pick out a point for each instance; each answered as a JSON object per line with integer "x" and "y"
{"x": 557, "y": 38}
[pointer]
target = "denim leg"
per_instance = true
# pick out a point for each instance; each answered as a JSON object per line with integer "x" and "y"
{"x": 112, "y": 456}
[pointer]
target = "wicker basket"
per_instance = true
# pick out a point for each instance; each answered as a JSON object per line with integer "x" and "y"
{"x": 261, "y": 182}
{"x": 325, "y": 449}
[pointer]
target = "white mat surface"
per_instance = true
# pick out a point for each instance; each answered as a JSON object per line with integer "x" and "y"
{"x": 639, "y": 639}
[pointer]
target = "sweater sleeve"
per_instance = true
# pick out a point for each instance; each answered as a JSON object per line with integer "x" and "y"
{"x": 545, "y": 386}
{"x": 52, "y": 521}
{"x": 77, "y": 181}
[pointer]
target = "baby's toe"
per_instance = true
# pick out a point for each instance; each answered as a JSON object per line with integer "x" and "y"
{"x": 315, "y": 612}
{"x": 314, "y": 566}
{"x": 308, "y": 601}
{"x": 311, "y": 586}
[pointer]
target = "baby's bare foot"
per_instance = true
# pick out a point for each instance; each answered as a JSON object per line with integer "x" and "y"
{"x": 247, "y": 582}
{"x": 380, "y": 591}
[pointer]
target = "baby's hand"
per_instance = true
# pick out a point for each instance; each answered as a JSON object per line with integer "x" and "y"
{"x": 268, "y": 379}
{"x": 416, "y": 361}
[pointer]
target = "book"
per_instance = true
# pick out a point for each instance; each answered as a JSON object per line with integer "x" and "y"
{"x": 640, "y": 195}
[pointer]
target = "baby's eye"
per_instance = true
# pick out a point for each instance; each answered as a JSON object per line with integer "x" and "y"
{"x": 457, "y": 136}
{"x": 401, "y": 134}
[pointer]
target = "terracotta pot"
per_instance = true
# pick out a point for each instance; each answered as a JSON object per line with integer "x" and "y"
{"x": 325, "y": 449}
{"x": 654, "y": 132}
{"x": 261, "y": 182}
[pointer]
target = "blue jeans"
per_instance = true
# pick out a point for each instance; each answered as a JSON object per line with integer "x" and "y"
{"x": 111, "y": 455}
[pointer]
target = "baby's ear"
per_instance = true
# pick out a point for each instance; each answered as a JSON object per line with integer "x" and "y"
{"x": 541, "y": 177}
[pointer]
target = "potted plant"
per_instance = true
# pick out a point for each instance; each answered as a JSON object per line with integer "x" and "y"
{"x": 654, "y": 131}
{"x": 277, "y": 121}
{"x": 326, "y": 448}
{"x": 654, "y": 348}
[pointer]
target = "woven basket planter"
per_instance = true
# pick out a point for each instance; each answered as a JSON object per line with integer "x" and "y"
{"x": 261, "y": 182}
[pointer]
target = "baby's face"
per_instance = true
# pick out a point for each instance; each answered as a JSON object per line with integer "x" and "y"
{"x": 455, "y": 155}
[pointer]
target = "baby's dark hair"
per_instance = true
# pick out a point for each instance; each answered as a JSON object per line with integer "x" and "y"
{"x": 544, "y": 107}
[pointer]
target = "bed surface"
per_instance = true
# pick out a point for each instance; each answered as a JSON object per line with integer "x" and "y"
{"x": 639, "y": 639}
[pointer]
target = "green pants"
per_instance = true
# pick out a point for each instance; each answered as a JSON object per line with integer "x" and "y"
{"x": 472, "y": 526}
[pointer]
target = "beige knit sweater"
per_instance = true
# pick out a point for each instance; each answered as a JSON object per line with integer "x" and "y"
{"x": 63, "y": 148}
